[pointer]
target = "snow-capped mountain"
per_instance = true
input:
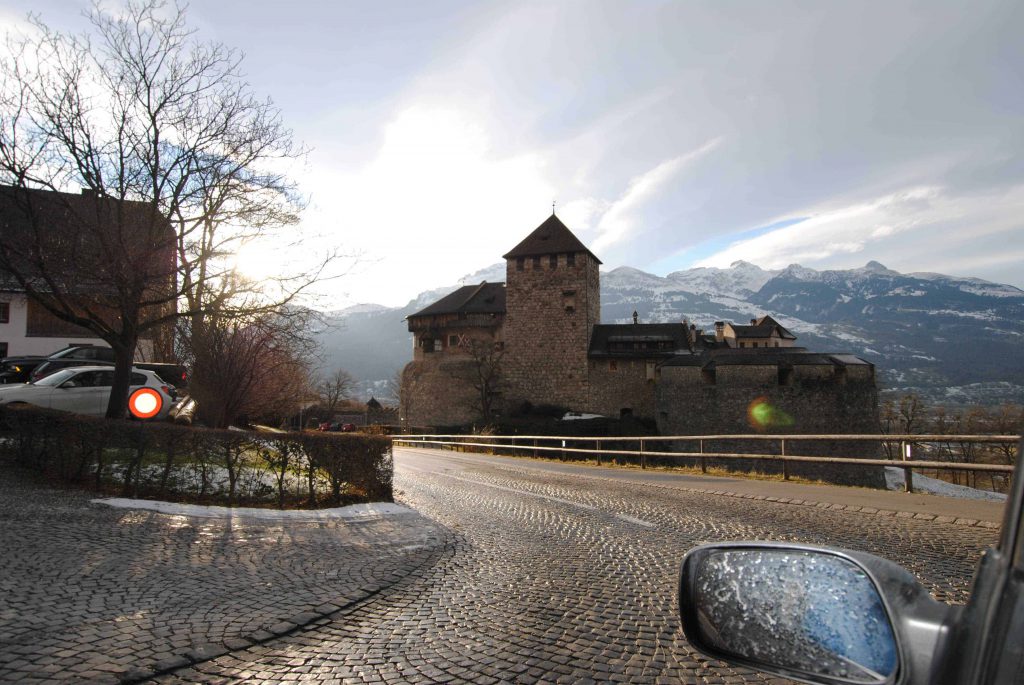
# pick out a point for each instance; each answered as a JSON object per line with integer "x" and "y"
{"x": 954, "y": 340}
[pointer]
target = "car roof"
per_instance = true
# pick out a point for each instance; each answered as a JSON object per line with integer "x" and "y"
{"x": 99, "y": 367}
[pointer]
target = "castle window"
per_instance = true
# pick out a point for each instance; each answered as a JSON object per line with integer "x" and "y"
{"x": 553, "y": 261}
{"x": 708, "y": 376}
{"x": 755, "y": 344}
{"x": 613, "y": 365}
{"x": 570, "y": 259}
{"x": 651, "y": 371}
{"x": 453, "y": 340}
{"x": 427, "y": 344}
{"x": 520, "y": 263}
{"x": 785, "y": 376}
{"x": 743, "y": 344}
{"x": 536, "y": 263}
{"x": 569, "y": 300}
{"x": 5, "y": 312}
{"x": 3, "y": 349}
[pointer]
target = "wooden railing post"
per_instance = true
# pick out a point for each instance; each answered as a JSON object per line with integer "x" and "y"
{"x": 908, "y": 473}
{"x": 597, "y": 444}
{"x": 703, "y": 459}
{"x": 785, "y": 462}
{"x": 643, "y": 458}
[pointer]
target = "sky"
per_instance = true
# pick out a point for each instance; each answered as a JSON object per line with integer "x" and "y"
{"x": 669, "y": 134}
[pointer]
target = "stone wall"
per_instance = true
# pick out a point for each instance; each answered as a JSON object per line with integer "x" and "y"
{"x": 816, "y": 400}
{"x": 550, "y": 313}
{"x": 435, "y": 394}
{"x": 436, "y": 387}
{"x": 621, "y": 387}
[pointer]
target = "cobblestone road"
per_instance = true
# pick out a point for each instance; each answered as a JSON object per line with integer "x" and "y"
{"x": 554, "y": 577}
{"x": 93, "y": 594}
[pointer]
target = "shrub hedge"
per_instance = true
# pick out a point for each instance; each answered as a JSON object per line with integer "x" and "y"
{"x": 183, "y": 463}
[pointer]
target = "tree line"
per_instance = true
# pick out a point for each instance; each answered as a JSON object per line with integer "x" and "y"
{"x": 910, "y": 415}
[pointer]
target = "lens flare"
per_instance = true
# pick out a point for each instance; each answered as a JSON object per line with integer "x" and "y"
{"x": 762, "y": 415}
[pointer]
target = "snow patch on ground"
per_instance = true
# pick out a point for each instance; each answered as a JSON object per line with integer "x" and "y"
{"x": 353, "y": 511}
{"x": 576, "y": 416}
{"x": 894, "y": 480}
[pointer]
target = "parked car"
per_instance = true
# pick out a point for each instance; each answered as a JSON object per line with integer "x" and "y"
{"x": 83, "y": 390}
{"x": 96, "y": 355}
{"x": 18, "y": 369}
{"x": 820, "y": 615}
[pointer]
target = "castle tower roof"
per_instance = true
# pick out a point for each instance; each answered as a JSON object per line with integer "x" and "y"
{"x": 551, "y": 237}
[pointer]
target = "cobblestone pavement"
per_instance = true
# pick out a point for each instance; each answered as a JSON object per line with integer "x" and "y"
{"x": 93, "y": 594}
{"x": 559, "y": 577}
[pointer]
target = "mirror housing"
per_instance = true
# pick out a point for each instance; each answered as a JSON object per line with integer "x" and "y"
{"x": 812, "y": 614}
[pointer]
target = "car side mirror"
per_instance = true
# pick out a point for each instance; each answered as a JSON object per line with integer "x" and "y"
{"x": 811, "y": 614}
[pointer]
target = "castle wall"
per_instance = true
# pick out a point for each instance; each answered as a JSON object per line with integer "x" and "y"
{"x": 815, "y": 401}
{"x": 437, "y": 386}
{"x": 435, "y": 394}
{"x": 549, "y": 316}
{"x": 622, "y": 384}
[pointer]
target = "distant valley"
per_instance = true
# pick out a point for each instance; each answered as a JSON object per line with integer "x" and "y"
{"x": 955, "y": 341}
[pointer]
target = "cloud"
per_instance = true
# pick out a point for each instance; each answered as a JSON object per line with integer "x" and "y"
{"x": 919, "y": 228}
{"x": 433, "y": 204}
{"x": 621, "y": 220}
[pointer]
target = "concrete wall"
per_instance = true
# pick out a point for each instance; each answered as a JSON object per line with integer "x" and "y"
{"x": 547, "y": 330}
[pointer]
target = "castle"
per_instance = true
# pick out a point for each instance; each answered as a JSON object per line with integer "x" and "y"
{"x": 487, "y": 349}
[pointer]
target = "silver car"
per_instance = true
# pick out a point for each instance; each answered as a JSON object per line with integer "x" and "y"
{"x": 83, "y": 390}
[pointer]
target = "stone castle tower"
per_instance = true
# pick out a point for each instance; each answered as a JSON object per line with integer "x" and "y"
{"x": 553, "y": 302}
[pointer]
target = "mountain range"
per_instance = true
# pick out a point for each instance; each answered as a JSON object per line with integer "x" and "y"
{"x": 954, "y": 341}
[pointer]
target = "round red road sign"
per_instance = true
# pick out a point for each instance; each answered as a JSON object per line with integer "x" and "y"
{"x": 145, "y": 403}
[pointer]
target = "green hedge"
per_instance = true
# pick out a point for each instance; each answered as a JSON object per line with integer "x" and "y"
{"x": 181, "y": 463}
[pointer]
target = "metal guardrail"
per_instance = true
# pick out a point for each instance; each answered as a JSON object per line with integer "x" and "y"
{"x": 534, "y": 445}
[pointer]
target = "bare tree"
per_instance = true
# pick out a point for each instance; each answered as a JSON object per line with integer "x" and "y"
{"x": 483, "y": 374}
{"x": 335, "y": 388}
{"x": 254, "y": 367}
{"x": 181, "y": 164}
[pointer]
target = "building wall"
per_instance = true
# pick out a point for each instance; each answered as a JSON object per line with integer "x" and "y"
{"x": 688, "y": 404}
{"x": 549, "y": 317}
{"x": 15, "y": 331}
{"x": 435, "y": 394}
{"x": 32, "y": 330}
{"x": 620, "y": 385}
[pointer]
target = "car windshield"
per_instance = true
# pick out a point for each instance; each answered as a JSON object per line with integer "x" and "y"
{"x": 56, "y": 378}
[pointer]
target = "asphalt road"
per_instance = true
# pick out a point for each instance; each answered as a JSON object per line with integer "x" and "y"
{"x": 556, "y": 574}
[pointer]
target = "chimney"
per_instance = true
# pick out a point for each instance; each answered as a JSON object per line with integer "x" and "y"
{"x": 719, "y": 331}
{"x": 636, "y": 317}
{"x": 753, "y": 322}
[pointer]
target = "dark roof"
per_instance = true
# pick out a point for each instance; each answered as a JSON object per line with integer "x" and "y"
{"x": 761, "y": 332}
{"x": 654, "y": 340}
{"x": 484, "y": 298}
{"x": 770, "y": 356}
{"x": 74, "y": 232}
{"x": 551, "y": 237}
{"x": 762, "y": 328}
